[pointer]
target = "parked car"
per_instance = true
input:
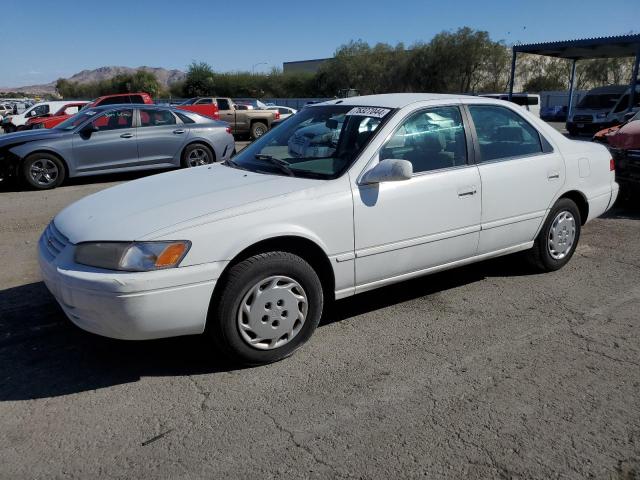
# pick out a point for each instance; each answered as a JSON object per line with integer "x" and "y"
{"x": 624, "y": 144}
{"x": 250, "y": 251}
{"x": 601, "y": 108}
{"x": 5, "y": 109}
{"x": 255, "y": 123}
{"x": 11, "y": 123}
{"x": 58, "y": 117}
{"x": 555, "y": 113}
{"x": 528, "y": 101}
{"x": 114, "y": 138}
{"x": 206, "y": 106}
{"x": 285, "y": 112}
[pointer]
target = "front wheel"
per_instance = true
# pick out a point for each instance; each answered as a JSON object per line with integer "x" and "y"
{"x": 43, "y": 171}
{"x": 558, "y": 238}
{"x": 269, "y": 306}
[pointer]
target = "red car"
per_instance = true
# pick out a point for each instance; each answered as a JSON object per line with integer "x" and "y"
{"x": 51, "y": 121}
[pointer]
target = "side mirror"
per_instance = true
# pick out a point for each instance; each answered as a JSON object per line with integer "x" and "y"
{"x": 389, "y": 170}
{"x": 88, "y": 129}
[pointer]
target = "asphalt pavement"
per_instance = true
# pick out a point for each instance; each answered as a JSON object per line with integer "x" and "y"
{"x": 488, "y": 371}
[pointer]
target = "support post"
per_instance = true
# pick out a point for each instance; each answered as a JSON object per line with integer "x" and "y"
{"x": 571, "y": 87}
{"x": 513, "y": 72}
{"x": 634, "y": 81}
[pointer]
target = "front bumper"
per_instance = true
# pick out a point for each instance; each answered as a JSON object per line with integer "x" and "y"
{"x": 627, "y": 168}
{"x": 128, "y": 305}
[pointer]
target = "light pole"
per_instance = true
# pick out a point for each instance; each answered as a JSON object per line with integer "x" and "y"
{"x": 253, "y": 67}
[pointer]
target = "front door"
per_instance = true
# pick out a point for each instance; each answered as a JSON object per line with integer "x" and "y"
{"x": 112, "y": 145}
{"x": 410, "y": 226}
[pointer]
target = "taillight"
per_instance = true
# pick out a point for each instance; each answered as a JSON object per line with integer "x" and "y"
{"x": 277, "y": 115}
{"x": 612, "y": 165}
{"x": 228, "y": 129}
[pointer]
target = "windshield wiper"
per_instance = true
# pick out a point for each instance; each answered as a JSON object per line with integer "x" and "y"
{"x": 233, "y": 164}
{"x": 279, "y": 164}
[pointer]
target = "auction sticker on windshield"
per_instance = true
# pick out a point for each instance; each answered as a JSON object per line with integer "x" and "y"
{"x": 369, "y": 112}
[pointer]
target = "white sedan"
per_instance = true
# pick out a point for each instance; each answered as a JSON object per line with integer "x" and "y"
{"x": 250, "y": 251}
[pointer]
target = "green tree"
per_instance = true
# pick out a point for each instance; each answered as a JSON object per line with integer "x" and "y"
{"x": 199, "y": 80}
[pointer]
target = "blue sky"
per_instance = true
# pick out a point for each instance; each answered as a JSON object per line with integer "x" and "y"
{"x": 46, "y": 39}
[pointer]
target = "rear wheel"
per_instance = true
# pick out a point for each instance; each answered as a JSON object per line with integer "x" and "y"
{"x": 558, "y": 238}
{"x": 43, "y": 171}
{"x": 258, "y": 129}
{"x": 196, "y": 155}
{"x": 269, "y": 306}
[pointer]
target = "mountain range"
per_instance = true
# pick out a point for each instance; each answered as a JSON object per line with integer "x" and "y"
{"x": 165, "y": 78}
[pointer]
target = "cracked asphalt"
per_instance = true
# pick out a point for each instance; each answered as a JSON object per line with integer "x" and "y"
{"x": 487, "y": 371}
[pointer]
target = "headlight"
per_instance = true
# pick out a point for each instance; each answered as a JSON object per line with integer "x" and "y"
{"x": 132, "y": 256}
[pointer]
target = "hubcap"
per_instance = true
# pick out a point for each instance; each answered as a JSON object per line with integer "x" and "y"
{"x": 272, "y": 312}
{"x": 197, "y": 157}
{"x": 44, "y": 172}
{"x": 259, "y": 131}
{"x": 562, "y": 235}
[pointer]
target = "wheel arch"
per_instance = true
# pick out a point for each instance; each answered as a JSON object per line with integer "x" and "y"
{"x": 304, "y": 247}
{"x": 23, "y": 157}
{"x": 581, "y": 201}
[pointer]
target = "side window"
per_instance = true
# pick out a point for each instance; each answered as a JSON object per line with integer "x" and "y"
{"x": 502, "y": 133}
{"x": 623, "y": 104}
{"x": 223, "y": 104}
{"x": 114, "y": 120}
{"x": 156, "y": 118}
{"x": 430, "y": 139}
{"x": 115, "y": 100}
{"x": 205, "y": 101}
{"x": 136, "y": 99}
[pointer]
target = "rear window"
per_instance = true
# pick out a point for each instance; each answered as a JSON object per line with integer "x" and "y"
{"x": 184, "y": 118}
{"x": 115, "y": 100}
{"x": 136, "y": 98}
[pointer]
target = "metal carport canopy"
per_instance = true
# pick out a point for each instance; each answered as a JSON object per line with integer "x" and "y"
{"x": 583, "y": 49}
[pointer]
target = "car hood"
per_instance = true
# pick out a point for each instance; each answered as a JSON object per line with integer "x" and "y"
{"x": 137, "y": 209}
{"x": 18, "y": 138}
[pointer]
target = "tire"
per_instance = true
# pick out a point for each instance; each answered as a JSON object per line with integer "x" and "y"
{"x": 43, "y": 171}
{"x": 276, "y": 332}
{"x": 258, "y": 129}
{"x": 9, "y": 128}
{"x": 558, "y": 238}
{"x": 196, "y": 155}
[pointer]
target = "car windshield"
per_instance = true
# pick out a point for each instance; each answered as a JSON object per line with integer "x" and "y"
{"x": 318, "y": 142}
{"x": 603, "y": 101}
{"x": 77, "y": 120}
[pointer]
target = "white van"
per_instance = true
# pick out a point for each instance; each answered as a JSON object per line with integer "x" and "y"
{"x": 11, "y": 123}
{"x": 600, "y": 108}
{"x": 528, "y": 101}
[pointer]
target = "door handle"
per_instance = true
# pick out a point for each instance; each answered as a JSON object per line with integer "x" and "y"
{"x": 178, "y": 131}
{"x": 126, "y": 135}
{"x": 467, "y": 191}
{"x": 553, "y": 175}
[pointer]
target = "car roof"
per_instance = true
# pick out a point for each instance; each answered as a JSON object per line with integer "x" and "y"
{"x": 391, "y": 100}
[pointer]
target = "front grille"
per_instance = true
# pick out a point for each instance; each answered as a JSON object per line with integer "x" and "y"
{"x": 583, "y": 118}
{"x": 54, "y": 241}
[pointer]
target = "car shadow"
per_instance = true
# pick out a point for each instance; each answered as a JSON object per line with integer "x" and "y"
{"x": 14, "y": 185}
{"x": 42, "y": 354}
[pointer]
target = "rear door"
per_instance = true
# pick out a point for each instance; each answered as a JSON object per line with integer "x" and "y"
{"x": 520, "y": 173}
{"x": 161, "y": 137}
{"x": 112, "y": 146}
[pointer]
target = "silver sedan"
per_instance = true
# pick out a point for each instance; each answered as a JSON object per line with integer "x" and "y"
{"x": 114, "y": 138}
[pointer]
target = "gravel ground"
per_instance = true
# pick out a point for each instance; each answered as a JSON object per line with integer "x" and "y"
{"x": 482, "y": 372}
